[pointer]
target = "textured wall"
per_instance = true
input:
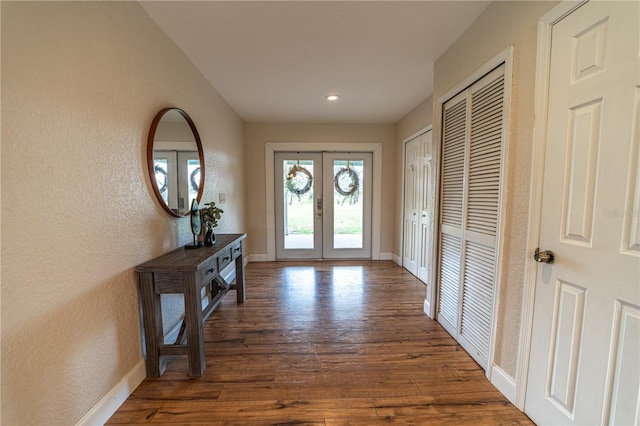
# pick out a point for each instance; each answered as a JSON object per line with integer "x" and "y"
{"x": 417, "y": 119}
{"x": 503, "y": 24}
{"x": 81, "y": 82}
{"x": 257, "y": 135}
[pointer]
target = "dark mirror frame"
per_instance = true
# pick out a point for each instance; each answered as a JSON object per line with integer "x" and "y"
{"x": 150, "y": 161}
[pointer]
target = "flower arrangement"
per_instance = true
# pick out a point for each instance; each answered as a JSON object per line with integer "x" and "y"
{"x": 210, "y": 215}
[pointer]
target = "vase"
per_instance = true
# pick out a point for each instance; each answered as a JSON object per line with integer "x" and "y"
{"x": 210, "y": 237}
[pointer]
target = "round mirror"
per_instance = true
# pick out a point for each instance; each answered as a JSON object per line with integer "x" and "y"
{"x": 175, "y": 161}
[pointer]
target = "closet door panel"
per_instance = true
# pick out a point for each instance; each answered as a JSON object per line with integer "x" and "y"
{"x": 472, "y": 174}
{"x": 453, "y": 171}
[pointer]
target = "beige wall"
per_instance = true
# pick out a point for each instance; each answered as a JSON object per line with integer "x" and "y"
{"x": 257, "y": 135}
{"x": 417, "y": 119}
{"x": 81, "y": 82}
{"x": 503, "y": 24}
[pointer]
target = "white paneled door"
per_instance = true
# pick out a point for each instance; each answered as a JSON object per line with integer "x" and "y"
{"x": 585, "y": 349}
{"x": 419, "y": 194}
{"x": 411, "y": 205}
{"x": 323, "y": 205}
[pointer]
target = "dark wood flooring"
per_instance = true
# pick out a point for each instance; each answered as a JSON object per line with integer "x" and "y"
{"x": 324, "y": 343}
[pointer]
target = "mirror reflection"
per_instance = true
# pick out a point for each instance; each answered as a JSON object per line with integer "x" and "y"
{"x": 174, "y": 161}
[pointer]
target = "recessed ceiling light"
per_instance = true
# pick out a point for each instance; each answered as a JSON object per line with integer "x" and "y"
{"x": 333, "y": 97}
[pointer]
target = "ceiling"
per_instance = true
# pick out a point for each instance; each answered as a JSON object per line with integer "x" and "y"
{"x": 276, "y": 61}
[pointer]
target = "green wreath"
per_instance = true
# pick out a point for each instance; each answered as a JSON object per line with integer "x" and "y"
{"x": 351, "y": 190}
{"x": 296, "y": 176}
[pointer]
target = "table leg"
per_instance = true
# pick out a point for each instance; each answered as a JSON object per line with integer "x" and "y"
{"x": 240, "y": 294}
{"x": 193, "y": 320}
{"x": 152, "y": 321}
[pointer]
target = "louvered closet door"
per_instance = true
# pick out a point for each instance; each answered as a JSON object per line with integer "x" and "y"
{"x": 471, "y": 188}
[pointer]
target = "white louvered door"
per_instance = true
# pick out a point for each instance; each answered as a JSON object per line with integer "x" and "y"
{"x": 472, "y": 162}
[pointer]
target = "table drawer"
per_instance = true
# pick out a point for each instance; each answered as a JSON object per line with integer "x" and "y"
{"x": 224, "y": 259}
{"x": 236, "y": 250}
{"x": 209, "y": 271}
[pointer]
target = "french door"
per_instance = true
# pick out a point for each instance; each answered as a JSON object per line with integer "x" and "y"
{"x": 323, "y": 205}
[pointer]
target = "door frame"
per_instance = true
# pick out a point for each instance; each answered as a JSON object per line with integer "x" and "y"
{"x": 541, "y": 106}
{"x": 376, "y": 208}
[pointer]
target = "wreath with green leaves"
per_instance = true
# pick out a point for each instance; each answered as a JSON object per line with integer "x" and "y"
{"x": 347, "y": 183}
{"x": 299, "y": 180}
{"x": 161, "y": 177}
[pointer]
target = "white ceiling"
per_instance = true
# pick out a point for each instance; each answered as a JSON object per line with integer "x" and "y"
{"x": 276, "y": 61}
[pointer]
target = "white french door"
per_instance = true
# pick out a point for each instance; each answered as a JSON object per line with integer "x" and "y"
{"x": 323, "y": 205}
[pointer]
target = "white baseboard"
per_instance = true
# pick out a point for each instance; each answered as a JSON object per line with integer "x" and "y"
{"x": 397, "y": 259}
{"x": 264, "y": 258}
{"x": 426, "y": 307}
{"x": 258, "y": 258}
{"x": 109, "y": 404}
{"x": 505, "y": 383}
{"x": 386, "y": 256}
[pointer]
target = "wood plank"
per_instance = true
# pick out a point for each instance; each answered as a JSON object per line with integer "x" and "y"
{"x": 325, "y": 343}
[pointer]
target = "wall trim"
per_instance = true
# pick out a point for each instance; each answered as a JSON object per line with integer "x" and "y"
{"x": 386, "y": 256}
{"x": 426, "y": 307}
{"x": 504, "y": 383}
{"x": 397, "y": 259}
{"x": 541, "y": 98}
{"x": 258, "y": 257}
{"x": 271, "y": 148}
{"x": 109, "y": 404}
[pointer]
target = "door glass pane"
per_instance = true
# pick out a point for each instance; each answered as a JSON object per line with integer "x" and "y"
{"x": 160, "y": 167}
{"x": 298, "y": 204}
{"x": 348, "y": 213}
{"x": 193, "y": 171}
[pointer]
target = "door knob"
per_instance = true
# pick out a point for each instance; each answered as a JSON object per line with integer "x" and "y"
{"x": 546, "y": 256}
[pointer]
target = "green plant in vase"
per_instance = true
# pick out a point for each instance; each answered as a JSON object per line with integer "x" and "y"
{"x": 210, "y": 216}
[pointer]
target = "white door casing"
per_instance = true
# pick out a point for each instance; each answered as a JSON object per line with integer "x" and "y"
{"x": 270, "y": 150}
{"x": 585, "y": 345}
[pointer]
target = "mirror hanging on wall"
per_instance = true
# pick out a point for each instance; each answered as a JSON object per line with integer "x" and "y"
{"x": 175, "y": 161}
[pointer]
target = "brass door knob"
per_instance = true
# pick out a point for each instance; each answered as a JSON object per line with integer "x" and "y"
{"x": 546, "y": 256}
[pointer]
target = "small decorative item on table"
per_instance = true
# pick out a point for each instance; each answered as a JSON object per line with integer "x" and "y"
{"x": 195, "y": 225}
{"x": 210, "y": 216}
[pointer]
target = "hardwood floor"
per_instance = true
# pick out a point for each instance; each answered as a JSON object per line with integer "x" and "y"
{"x": 324, "y": 343}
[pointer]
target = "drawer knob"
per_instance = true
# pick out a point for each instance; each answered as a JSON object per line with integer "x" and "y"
{"x": 225, "y": 258}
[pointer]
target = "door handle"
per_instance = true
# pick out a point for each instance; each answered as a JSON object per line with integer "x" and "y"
{"x": 546, "y": 256}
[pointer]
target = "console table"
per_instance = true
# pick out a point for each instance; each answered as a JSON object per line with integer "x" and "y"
{"x": 187, "y": 271}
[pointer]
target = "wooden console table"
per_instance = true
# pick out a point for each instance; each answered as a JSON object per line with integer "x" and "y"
{"x": 187, "y": 272}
